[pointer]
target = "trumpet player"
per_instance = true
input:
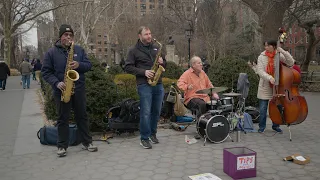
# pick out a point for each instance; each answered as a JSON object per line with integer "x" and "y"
{"x": 53, "y": 72}
{"x": 140, "y": 60}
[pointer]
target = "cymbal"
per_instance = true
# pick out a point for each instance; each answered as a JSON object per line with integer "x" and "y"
{"x": 214, "y": 90}
{"x": 232, "y": 94}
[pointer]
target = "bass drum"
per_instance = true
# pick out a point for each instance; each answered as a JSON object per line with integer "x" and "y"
{"x": 214, "y": 127}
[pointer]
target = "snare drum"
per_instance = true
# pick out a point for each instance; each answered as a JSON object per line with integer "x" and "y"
{"x": 214, "y": 127}
{"x": 226, "y": 101}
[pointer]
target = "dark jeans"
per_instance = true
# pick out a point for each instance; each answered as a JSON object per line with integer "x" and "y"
{"x": 78, "y": 103}
{"x": 151, "y": 98}
{"x": 198, "y": 105}
{"x": 263, "y": 106}
{"x": 3, "y": 83}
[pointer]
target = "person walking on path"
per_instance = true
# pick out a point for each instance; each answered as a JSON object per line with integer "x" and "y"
{"x": 25, "y": 70}
{"x": 4, "y": 73}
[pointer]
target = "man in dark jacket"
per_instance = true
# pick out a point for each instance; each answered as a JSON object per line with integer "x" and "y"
{"x": 139, "y": 62}
{"x": 53, "y": 72}
{"x": 4, "y": 73}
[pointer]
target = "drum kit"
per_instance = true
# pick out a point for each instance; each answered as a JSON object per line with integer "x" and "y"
{"x": 215, "y": 125}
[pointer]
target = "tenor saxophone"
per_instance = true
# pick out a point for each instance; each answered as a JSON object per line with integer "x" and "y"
{"x": 70, "y": 76}
{"x": 156, "y": 68}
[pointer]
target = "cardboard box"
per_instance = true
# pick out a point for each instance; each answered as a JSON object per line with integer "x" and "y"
{"x": 298, "y": 159}
{"x": 239, "y": 162}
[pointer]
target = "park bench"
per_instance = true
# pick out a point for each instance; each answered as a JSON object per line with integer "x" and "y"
{"x": 308, "y": 78}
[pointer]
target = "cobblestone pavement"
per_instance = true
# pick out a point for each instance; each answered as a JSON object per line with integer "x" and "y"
{"x": 23, "y": 158}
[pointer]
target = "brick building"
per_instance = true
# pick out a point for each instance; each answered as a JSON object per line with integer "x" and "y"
{"x": 297, "y": 43}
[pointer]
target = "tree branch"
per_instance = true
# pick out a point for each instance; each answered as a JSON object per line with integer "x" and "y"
{"x": 43, "y": 12}
{"x": 254, "y": 5}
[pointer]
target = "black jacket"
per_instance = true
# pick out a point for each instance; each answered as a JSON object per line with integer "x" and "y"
{"x": 4, "y": 71}
{"x": 141, "y": 59}
{"x": 54, "y": 65}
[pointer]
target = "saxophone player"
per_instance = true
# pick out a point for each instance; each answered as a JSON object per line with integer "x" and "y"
{"x": 53, "y": 72}
{"x": 140, "y": 60}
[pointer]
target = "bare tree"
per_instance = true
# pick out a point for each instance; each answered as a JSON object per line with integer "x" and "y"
{"x": 306, "y": 13}
{"x": 15, "y": 13}
{"x": 86, "y": 17}
{"x": 209, "y": 27}
{"x": 271, "y": 14}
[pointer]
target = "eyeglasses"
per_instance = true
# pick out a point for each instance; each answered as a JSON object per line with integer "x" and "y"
{"x": 67, "y": 34}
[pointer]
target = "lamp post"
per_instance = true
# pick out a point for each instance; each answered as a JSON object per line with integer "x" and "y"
{"x": 188, "y": 33}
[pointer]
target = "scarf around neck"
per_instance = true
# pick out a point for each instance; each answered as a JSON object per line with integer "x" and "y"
{"x": 270, "y": 66}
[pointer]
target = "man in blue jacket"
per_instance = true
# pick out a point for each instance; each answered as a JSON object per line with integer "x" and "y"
{"x": 53, "y": 71}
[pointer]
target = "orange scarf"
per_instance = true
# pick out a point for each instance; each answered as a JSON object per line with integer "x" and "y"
{"x": 270, "y": 66}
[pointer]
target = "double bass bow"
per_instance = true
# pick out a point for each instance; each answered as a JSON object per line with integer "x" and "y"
{"x": 287, "y": 106}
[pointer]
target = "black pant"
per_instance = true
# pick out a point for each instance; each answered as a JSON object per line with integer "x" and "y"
{"x": 78, "y": 103}
{"x": 198, "y": 105}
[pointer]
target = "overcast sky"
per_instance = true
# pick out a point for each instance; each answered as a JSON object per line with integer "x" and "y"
{"x": 30, "y": 38}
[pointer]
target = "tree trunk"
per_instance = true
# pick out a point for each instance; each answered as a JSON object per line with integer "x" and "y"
{"x": 310, "y": 49}
{"x": 7, "y": 49}
{"x": 271, "y": 22}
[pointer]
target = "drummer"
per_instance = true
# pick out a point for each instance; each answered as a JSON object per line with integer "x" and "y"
{"x": 192, "y": 80}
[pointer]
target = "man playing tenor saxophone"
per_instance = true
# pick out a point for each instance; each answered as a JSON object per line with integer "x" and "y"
{"x": 56, "y": 61}
{"x": 140, "y": 62}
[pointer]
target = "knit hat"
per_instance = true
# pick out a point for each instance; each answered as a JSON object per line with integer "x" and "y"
{"x": 65, "y": 28}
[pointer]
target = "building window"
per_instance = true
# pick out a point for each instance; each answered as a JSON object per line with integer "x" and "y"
{"x": 105, "y": 42}
{"x": 91, "y": 47}
{"x": 99, "y": 35}
{"x": 105, "y": 49}
{"x": 160, "y": 1}
{"x": 99, "y": 49}
{"x": 290, "y": 30}
{"x": 151, "y": 6}
{"x": 143, "y": 6}
{"x": 290, "y": 40}
{"x": 151, "y": 1}
{"x": 142, "y": 1}
{"x": 99, "y": 42}
{"x": 307, "y": 39}
{"x": 290, "y": 50}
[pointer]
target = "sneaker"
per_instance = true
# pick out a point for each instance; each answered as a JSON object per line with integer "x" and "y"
{"x": 146, "y": 144}
{"x": 277, "y": 129}
{"x": 90, "y": 147}
{"x": 260, "y": 130}
{"x": 153, "y": 139}
{"x": 62, "y": 152}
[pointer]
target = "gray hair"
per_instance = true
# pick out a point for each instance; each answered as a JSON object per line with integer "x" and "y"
{"x": 193, "y": 59}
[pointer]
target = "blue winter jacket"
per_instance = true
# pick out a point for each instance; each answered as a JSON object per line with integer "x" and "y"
{"x": 54, "y": 65}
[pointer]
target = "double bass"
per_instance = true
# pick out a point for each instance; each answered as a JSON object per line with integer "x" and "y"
{"x": 287, "y": 106}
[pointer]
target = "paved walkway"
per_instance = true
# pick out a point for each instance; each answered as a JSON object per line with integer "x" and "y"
{"x": 23, "y": 158}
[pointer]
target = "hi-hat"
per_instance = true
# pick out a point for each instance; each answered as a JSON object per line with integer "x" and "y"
{"x": 211, "y": 90}
{"x": 232, "y": 94}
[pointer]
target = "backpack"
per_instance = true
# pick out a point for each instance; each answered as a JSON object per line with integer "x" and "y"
{"x": 125, "y": 116}
{"x": 130, "y": 111}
